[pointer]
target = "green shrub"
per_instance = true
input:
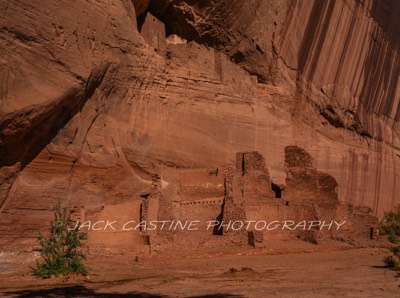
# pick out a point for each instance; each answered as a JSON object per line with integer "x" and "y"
{"x": 390, "y": 224}
{"x": 393, "y": 238}
{"x": 61, "y": 248}
{"x": 390, "y": 261}
{"x": 395, "y": 250}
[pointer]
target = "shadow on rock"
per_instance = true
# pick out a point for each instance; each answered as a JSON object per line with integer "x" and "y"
{"x": 76, "y": 291}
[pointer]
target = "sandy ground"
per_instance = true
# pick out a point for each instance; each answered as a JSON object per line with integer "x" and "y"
{"x": 283, "y": 270}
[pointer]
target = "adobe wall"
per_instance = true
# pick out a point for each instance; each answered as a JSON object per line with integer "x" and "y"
{"x": 153, "y": 32}
{"x": 309, "y": 195}
{"x": 235, "y": 194}
{"x": 182, "y": 195}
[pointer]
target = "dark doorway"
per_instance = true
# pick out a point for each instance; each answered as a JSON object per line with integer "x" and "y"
{"x": 277, "y": 190}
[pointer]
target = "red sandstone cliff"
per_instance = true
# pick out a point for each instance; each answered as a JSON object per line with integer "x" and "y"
{"x": 91, "y": 109}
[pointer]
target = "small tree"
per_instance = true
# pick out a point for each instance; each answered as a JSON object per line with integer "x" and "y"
{"x": 390, "y": 224}
{"x": 61, "y": 248}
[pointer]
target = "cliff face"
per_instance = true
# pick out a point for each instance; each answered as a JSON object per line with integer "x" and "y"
{"x": 349, "y": 51}
{"x": 92, "y": 111}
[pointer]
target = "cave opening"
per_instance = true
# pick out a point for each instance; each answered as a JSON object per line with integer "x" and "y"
{"x": 277, "y": 190}
{"x": 185, "y": 24}
{"x": 175, "y": 21}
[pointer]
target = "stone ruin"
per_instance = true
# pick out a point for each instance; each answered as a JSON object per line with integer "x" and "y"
{"x": 246, "y": 193}
{"x": 153, "y": 32}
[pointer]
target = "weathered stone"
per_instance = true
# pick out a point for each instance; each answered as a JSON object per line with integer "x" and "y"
{"x": 94, "y": 114}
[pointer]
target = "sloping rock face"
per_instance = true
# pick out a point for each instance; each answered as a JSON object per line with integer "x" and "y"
{"x": 93, "y": 111}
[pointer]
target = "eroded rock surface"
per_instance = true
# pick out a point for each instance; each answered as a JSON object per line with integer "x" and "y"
{"x": 93, "y": 112}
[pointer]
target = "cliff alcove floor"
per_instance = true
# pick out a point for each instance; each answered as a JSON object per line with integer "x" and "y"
{"x": 286, "y": 269}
